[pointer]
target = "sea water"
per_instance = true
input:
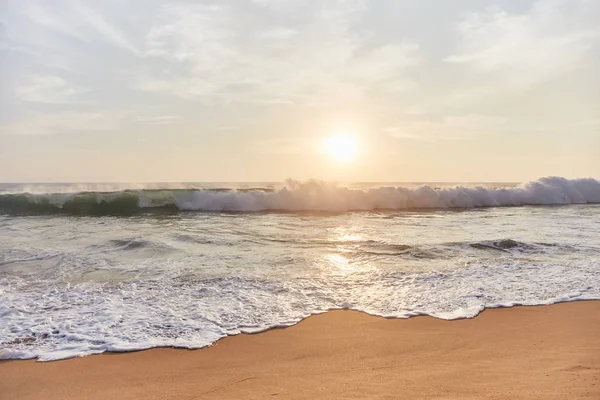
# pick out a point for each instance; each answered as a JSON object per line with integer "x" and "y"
{"x": 88, "y": 268}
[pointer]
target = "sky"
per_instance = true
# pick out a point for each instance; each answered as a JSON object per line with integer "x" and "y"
{"x": 214, "y": 91}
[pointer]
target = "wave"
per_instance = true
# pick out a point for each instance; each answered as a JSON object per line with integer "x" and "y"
{"x": 304, "y": 196}
{"x": 449, "y": 250}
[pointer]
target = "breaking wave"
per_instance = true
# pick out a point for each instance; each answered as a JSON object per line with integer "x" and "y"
{"x": 304, "y": 196}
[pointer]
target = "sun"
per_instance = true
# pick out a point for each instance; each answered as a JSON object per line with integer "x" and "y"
{"x": 341, "y": 146}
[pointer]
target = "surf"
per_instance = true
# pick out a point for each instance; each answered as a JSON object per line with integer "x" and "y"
{"x": 295, "y": 196}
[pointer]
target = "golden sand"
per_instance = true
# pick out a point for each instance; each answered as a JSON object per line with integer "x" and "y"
{"x": 542, "y": 352}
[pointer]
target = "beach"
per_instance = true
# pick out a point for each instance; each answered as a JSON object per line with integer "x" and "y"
{"x": 273, "y": 199}
{"x": 540, "y": 352}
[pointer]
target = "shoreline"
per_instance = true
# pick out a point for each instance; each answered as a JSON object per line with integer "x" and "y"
{"x": 521, "y": 352}
{"x": 282, "y": 326}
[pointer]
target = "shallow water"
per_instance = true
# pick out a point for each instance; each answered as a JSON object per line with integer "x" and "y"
{"x": 74, "y": 285}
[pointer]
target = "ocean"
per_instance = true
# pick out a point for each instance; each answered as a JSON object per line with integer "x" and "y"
{"x": 89, "y": 268}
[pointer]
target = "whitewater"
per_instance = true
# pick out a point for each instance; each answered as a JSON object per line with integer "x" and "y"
{"x": 299, "y": 196}
{"x": 89, "y": 268}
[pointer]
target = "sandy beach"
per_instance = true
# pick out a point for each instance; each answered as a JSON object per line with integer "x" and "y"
{"x": 541, "y": 352}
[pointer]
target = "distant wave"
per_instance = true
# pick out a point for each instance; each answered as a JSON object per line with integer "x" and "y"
{"x": 304, "y": 196}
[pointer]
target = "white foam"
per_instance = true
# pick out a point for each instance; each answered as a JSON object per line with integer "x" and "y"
{"x": 319, "y": 196}
{"x": 73, "y": 321}
{"x": 72, "y": 286}
{"x": 322, "y": 196}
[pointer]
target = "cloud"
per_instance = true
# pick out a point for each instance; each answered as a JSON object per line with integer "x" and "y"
{"x": 326, "y": 56}
{"x": 464, "y": 127}
{"x": 63, "y": 122}
{"x": 553, "y": 38}
{"x": 456, "y": 127}
{"x": 71, "y": 20}
{"x": 47, "y": 89}
{"x": 109, "y": 31}
{"x": 221, "y": 53}
{"x": 46, "y": 18}
{"x": 42, "y": 53}
{"x": 161, "y": 119}
{"x": 278, "y": 33}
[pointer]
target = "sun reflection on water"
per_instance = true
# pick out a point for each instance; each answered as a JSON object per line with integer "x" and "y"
{"x": 344, "y": 255}
{"x": 340, "y": 262}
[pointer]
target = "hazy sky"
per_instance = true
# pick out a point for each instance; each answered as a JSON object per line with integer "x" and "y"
{"x": 147, "y": 90}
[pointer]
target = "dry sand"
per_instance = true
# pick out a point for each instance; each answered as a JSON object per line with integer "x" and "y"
{"x": 543, "y": 352}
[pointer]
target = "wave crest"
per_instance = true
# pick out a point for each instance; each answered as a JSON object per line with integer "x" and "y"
{"x": 306, "y": 196}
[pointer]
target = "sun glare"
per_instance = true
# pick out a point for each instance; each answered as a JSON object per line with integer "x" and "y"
{"x": 341, "y": 146}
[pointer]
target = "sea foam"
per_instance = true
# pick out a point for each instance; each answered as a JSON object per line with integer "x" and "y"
{"x": 307, "y": 196}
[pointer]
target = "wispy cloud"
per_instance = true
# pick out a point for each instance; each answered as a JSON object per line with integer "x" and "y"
{"x": 220, "y": 54}
{"x": 464, "y": 127}
{"x": 554, "y": 37}
{"x": 456, "y": 127}
{"x": 162, "y": 119}
{"x": 48, "y": 89}
{"x": 109, "y": 32}
{"x": 270, "y": 71}
{"x": 74, "y": 20}
{"x": 63, "y": 122}
{"x": 44, "y": 17}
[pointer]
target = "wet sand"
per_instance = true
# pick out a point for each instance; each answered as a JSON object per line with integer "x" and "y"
{"x": 542, "y": 352}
